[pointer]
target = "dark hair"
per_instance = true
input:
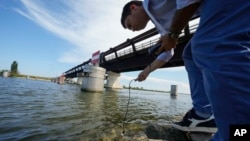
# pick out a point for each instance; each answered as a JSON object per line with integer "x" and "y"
{"x": 126, "y": 10}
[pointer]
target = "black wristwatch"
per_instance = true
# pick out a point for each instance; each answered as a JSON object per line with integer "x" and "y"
{"x": 173, "y": 35}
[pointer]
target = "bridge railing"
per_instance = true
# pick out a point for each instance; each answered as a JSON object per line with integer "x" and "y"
{"x": 73, "y": 71}
{"x": 129, "y": 50}
{"x": 112, "y": 53}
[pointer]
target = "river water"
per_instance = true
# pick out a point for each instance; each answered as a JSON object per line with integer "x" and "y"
{"x": 33, "y": 110}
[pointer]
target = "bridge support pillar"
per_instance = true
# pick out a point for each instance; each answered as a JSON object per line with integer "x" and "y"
{"x": 93, "y": 80}
{"x": 174, "y": 90}
{"x": 80, "y": 76}
{"x": 113, "y": 80}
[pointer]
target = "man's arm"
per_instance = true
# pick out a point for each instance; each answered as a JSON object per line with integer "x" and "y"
{"x": 157, "y": 63}
{"x": 180, "y": 20}
{"x": 151, "y": 67}
{"x": 182, "y": 17}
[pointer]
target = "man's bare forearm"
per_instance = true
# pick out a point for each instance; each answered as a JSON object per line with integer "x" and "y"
{"x": 182, "y": 16}
{"x": 155, "y": 65}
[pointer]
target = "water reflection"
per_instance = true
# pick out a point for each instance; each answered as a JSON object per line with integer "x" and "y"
{"x": 38, "y": 110}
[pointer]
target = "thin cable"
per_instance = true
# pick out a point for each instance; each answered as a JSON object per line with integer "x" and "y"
{"x": 125, "y": 116}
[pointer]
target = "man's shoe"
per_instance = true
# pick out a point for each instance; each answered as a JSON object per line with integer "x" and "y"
{"x": 193, "y": 123}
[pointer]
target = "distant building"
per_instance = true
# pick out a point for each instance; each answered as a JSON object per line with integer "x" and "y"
{"x": 6, "y": 73}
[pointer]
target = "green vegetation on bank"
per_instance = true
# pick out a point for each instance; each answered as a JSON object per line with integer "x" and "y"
{"x": 15, "y": 73}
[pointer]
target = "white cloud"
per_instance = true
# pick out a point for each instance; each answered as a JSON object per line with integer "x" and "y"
{"x": 90, "y": 25}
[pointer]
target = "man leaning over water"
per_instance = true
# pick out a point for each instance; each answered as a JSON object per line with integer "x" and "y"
{"x": 163, "y": 13}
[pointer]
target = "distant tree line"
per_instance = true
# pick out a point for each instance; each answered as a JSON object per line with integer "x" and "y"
{"x": 136, "y": 88}
{"x": 141, "y": 88}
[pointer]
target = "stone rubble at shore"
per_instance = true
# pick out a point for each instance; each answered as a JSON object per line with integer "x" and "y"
{"x": 156, "y": 132}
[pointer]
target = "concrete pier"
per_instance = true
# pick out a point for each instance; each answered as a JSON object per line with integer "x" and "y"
{"x": 93, "y": 79}
{"x": 80, "y": 76}
{"x": 113, "y": 81}
{"x": 174, "y": 90}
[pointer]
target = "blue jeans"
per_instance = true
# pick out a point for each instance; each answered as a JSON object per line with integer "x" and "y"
{"x": 199, "y": 97}
{"x": 220, "y": 54}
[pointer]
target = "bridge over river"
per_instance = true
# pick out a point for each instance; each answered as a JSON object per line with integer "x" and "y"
{"x": 132, "y": 55}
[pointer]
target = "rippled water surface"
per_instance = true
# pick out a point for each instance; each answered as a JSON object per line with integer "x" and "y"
{"x": 40, "y": 110}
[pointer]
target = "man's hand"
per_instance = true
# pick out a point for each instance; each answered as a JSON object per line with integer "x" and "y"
{"x": 167, "y": 43}
{"x": 144, "y": 74}
{"x": 150, "y": 68}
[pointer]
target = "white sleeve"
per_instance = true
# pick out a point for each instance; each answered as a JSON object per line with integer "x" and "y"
{"x": 165, "y": 56}
{"x": 184, "y": 3}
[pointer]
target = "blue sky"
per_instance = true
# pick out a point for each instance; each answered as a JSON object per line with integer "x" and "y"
{"x": 48, "y": 37}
